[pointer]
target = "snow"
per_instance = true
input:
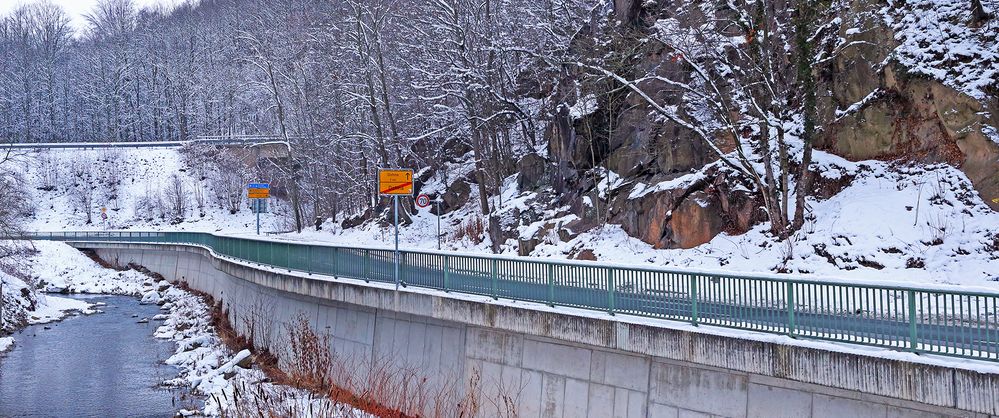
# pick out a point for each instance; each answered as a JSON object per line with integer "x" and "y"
{"x": 211, "y": 369}
{"x": 641, "y": 189}
{"x": 6, "y": 343}
{"x": 897, "y": 217}
{"x": 584, "y": 107}
{"x": 126, "y": 182}
{"x": 889, "y": 216}
{"x": 54, "y": 308}
{"x": 61, "y": 268}
{"x": 935, "y": 39}
{"x": 204, "y": 363}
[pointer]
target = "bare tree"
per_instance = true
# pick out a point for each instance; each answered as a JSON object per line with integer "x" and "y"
{"x": 176, "y": 195}
{"x": 81, "y": 189}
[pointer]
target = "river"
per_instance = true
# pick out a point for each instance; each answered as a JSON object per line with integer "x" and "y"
{"x": 103, "y": 365}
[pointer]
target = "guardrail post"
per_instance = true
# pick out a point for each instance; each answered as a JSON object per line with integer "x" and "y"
{"x": 287, "y": 257}
{"x": 447, "y": 272}
{"x": 495, "y": 292}
{"x": 309, "y": 262}
{"x": 367, "y": 265}
{"x": 551, "y": 285}
{"x": 790, "y": 308}
{"x": 693, "y": 299}
{"x": 402, "y": 266}
{"x": 913, "y": 344}
{"x": 610, "y": 290}
{"x": 336, "y": 262}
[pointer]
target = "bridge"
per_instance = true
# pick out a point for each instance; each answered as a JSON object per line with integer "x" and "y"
{"x": 652, "y": 341}
{"x": 228, "y": 140}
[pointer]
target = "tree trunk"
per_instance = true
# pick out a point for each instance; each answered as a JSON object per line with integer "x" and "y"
{"x": 805, "y": 48}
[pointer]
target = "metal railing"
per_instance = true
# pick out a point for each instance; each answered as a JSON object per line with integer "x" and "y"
{"x": 932, "y": 319}
{"x": 245, "y": 140}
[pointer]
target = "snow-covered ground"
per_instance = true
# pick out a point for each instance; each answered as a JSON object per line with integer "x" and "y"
{"x": 898, "y": 223}
{"x": 129, "y": 184}
{"x": 902, "y": 223}
{"x": 906, "y": 223}
{"x": 60, "y": 270}
{"x": 211, "y": 369}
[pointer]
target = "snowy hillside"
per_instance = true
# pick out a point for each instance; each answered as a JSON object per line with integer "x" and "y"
{"x": 896, "y": 222}
{"x": 137, "y": 187}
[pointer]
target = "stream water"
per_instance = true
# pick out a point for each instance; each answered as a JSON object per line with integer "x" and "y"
{"x": 103, "y": 365}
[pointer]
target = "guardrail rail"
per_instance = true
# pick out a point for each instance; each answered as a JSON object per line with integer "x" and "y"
{"x": 935, "y": 320}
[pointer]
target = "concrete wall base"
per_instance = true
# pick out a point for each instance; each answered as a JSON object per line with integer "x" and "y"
{"x": 554, "y": 364}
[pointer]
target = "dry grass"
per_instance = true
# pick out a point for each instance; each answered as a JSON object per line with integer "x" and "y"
{"x": 473, "y": 229}
{"x": 337, "y": 386}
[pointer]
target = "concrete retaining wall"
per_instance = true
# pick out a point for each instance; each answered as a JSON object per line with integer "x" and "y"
{"x": 554, "y": 364}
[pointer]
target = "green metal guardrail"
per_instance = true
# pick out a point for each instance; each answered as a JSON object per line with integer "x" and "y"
{"x": 936, "y": 320}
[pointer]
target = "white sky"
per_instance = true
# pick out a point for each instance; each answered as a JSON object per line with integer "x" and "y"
{"x": 77, "y": 8}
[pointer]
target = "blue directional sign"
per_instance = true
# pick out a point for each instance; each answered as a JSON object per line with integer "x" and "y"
{"x": 258, "y": 190}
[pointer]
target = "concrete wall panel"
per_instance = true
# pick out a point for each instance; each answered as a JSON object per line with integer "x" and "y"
{"x": 553, "y": 364}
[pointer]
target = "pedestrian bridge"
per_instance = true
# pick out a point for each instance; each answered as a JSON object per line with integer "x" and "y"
{"x": 585, "y": 338}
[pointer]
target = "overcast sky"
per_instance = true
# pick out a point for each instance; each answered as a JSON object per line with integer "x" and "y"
{"x": 77, "y": 8}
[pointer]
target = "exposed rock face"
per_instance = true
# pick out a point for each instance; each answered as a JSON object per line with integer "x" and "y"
{"x": 687, "y": 216}
{"x": 644, "y": 143}
{"x": 909, "y": 118}
{"x": 532, "y": 169}
{"x": 695, "y": 221}
{"x": 906, "y": 118}
{"x": 456, "y": 195}
{"x": 627, "y": 10}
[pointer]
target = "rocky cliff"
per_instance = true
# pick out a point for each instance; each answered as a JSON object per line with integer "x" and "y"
{"x": 887, "y": 92}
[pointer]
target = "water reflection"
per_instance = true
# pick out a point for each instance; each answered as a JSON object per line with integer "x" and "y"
{"x": 104, "y": 365}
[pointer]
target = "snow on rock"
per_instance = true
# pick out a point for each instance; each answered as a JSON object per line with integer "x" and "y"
{"x": 151, "y": 297}
{"x": 6, "y": 343}
{"x": 54, "y": 308}
{"x": 584, "y": 107}
{"x": 906, "y": 223}
{"x": 18, "y": 299}
{"x": 936, "y": 39}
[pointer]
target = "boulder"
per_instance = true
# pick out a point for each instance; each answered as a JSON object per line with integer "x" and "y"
{"x": 151, "y": 297}
{"x": 526, "y": 246}
{"x": 456, "y": 196}
{"x": 697, "y": 220}
{"x": 532, "y": 168}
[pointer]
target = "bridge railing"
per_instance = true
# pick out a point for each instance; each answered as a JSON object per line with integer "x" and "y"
{"x": 932, "y": 319}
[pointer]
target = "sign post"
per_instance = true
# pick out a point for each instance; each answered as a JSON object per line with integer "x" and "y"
{"x": 437, "y": 202}
{"x": 424, "y": 201}
{"x": 257, "y": 192}
{"x": 395, "y": 183}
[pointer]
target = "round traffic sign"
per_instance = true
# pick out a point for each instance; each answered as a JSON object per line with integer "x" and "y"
{"x": 423, "y": 201}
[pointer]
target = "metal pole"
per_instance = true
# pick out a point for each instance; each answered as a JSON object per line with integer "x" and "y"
{"x": 395, "y": 200}
{"x": 438, "y": 224}
{"x": 256, "y": 204}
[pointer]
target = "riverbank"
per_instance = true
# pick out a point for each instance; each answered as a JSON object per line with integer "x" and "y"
{"x": 218, "y": 380}
{"x": 107, "y": 364}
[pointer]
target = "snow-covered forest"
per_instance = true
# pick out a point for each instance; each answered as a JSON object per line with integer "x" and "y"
{"x": 355, "y": 85}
